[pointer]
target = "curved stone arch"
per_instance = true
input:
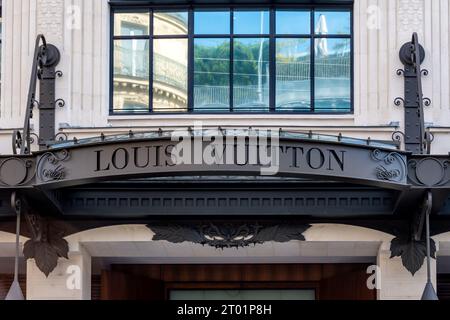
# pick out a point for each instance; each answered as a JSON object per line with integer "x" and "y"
{"x": 123, "y": 232}
{"x": 345, "y": 232}
{"x": 317, "y": 232}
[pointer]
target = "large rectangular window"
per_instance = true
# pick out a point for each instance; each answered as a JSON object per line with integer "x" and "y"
{"x": 240, "y": 60}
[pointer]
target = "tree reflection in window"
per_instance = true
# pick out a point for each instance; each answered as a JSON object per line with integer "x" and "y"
{"x": 238, "y": 60}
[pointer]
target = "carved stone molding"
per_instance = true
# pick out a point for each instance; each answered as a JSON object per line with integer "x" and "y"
{"x": 228, "y": 234}
{"x": 410, "y": 16}
{"x": 46, "y": 244}
{"x": 412, "y": 252}
{"x": 50, "y": 20}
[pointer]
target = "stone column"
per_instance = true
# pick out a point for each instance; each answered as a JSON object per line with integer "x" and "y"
{"x": 71, "y": 279}
{"x": 397, "y": 283}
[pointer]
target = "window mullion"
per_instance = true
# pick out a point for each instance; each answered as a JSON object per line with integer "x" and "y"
{"x": 150, "y": 63}
{"x": 272, "y": 62}
{"x": 312, "y": 69}
{"x": 231, "y": 85}
{"x": 190, "y": 60}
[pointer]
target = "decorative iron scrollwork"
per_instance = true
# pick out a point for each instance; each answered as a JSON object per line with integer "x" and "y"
{"x": 60, "y": 103}
{"x": 393, "y": 167}
{"x": 16, "y": 171}
{"x": 426, "y": 102}
{"x": 429, "y": 172}
{"x": 49, "y": 166}
{"x": 399, "y": 101}
{"x": 61, "y": 136}
{"x": 228, "y": 235}
{"x": 400, "y": 72}
{"x": 398, "y": 137}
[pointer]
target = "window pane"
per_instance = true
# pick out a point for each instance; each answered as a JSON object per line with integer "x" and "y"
{"x": 243, "y": 294}
{"x": 211, "y": 74}
{"x": 251, "y": 75}
{"x": 131, "y": 24}
{"x": 293, "y": 82}
{"x": 131, "y": 76}
{"x": 329, "y": 22}
{"x": 170, "y": 75}
{"x": 166, "y": 23}
{"x": 251, "y": 22}
{"x": 332, "y": 75}
{"x": 212, "y": 22}
{"x": 293, "y": 22}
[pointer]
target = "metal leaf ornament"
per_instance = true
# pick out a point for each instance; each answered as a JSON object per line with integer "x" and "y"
{"x": 175, "y": 233}
{"x": 45, "y": 246}
{"x": 412, "y": 252}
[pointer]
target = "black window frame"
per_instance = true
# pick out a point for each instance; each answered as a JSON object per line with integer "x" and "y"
{"x": 272, "y": 36}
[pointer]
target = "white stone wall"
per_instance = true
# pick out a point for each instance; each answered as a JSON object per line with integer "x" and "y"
{"x": 80, "y": 28}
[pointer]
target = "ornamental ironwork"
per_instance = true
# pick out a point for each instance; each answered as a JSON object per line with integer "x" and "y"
{"x": 228, "y": 235}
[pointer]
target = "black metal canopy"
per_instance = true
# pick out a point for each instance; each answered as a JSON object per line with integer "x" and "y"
{"x": 73, "y": 185}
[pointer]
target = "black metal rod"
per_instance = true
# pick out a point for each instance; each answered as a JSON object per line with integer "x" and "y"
{"x": 16, "y": 258}
{"x": 427, "y": 226}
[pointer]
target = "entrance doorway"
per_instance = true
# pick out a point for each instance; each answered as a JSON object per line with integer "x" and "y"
{"x": 236, "y": 282}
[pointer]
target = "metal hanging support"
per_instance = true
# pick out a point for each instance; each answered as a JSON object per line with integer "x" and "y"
{"x": 15, "y": 292}
{"x": 429, "y": 293}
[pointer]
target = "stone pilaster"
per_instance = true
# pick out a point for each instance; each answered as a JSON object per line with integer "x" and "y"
{"x": 71, "y": 279}
{"x": 397, "y": 283}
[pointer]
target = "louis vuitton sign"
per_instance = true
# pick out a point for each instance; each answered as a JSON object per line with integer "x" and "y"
{"x": 206, "y": 155}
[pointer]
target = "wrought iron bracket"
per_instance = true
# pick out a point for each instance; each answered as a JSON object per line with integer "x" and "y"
{"x": 417, "y": 139}
{"x": 46, "y": 58}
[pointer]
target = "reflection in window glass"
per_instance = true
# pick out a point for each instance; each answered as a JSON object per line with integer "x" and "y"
{"x": 293, "y": 22}
{"x": 1, "y": 39}
{"x": 268, "y": 61}
{"x": 212, "y": 74}
{"x": 170, "y": 75}
{"x": 131, "y": 75}
{"x": 332, "y": 75}
{"x": 332, "y": 22}
{"x": 251, "y": 75}
{"x": 170, "y": 23}
{"x": 293, "y": 82}
{"x": 131, "y": 24}
{"x": 212, "y": 22}
{"x": 251, "y": 22}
